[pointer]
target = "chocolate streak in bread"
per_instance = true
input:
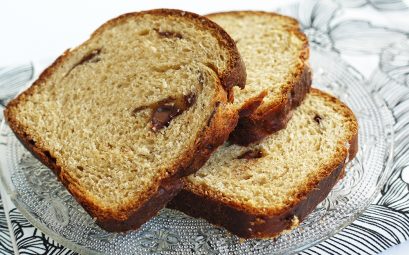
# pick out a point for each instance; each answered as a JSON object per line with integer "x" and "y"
{"x": 164, "y": 111}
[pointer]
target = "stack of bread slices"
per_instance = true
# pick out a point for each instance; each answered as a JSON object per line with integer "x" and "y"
{"x": 213, "y": 116}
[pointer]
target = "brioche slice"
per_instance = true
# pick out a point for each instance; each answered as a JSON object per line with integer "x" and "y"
{"x": 275, "y": 52}
{"x": 121, "y": 117}
{"x": 266, "y": 188}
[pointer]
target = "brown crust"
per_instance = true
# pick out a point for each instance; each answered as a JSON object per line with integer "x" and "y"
{"x": 221, "y": 123}
{"x": 248, "y": 222}
{"x": 248, "y": 225}
{"x": 259, "y": 119}
{"x": 263, "y": 122}
{"x": 292, "y": 23}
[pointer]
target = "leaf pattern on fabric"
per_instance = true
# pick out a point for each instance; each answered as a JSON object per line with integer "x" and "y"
{"x": 5, "y": 241}
{"x": 31, "y": 241}
{"x": 361, "y": 37}
{"x": 319, "y": 22}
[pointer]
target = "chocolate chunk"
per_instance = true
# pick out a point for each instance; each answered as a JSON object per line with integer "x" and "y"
{"x": 317, "y": 118}
{"x": 169, "y": 34}
{"x": 163, "y": 115}
{"x": 164, "y": 111}
{"x": 250, "y": 154}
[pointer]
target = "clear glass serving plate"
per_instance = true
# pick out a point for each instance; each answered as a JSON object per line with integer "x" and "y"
{"x": 48, "y": 206}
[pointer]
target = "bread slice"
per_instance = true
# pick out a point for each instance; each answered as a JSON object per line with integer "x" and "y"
{"x": 275, "y": 53}
{"x": 121, "y": 117}
{"x": 267, "y": 188}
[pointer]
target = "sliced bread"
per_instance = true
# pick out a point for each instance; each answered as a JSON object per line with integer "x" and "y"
{"x": 121, "y": 117}
{"x": 275, "y": 52}
{"x": 267, "y": 188}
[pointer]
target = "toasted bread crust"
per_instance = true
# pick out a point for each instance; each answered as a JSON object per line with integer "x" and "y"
{"x": 248, "y": 225}
{"x": 262, "y": 122}
{"x": 220, "y": 124}
{"x": 259, "y": 119}
{"x": 249, "y": 222}
{"x": 252, "y": 225}
{"x": 292, "y": 23}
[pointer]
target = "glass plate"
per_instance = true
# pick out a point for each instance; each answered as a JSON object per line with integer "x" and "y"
{"x": 48, "y": 206}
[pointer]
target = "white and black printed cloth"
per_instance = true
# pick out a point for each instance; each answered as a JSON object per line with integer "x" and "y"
{"x": 373, "y": 37}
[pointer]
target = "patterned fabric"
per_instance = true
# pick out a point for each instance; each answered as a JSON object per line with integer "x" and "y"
{"x": 31, "y": 241}
{"x": 363, "y": 43}
{"x": 5, "y": 240}
{"x": 12, "y": 79}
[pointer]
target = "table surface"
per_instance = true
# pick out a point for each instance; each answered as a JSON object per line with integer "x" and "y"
{"x": 40, "y": 29}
